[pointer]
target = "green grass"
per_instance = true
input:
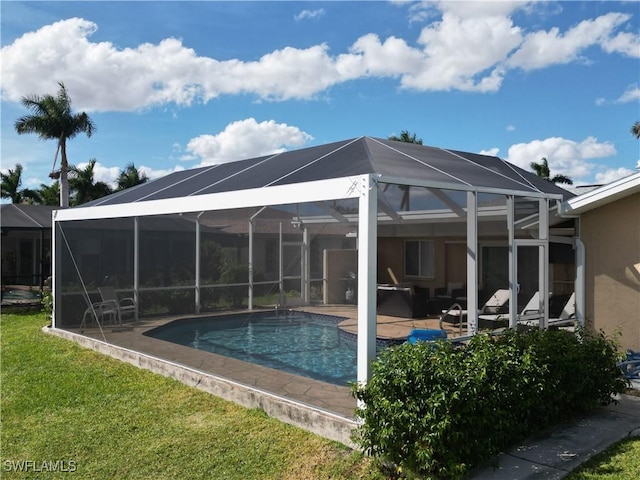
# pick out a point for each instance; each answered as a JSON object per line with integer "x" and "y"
{"x": 620, "y": 461}
{"x": 61, "y": 402}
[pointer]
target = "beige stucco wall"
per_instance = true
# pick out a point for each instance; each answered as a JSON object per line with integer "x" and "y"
{"x": 611, "y": 235}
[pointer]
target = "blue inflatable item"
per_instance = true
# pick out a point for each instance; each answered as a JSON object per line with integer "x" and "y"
{"x": 426, "y": 335}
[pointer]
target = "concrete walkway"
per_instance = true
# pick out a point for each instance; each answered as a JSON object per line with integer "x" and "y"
{"x": 563, "y": 449}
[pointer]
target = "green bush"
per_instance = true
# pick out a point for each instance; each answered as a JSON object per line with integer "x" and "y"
{"x": 436, "y": 410}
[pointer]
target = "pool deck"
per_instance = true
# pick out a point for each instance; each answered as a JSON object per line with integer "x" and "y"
{"x": 246, "y": 383}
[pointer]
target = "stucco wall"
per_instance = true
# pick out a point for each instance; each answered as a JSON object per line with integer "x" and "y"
{"x": 611, "y": 235}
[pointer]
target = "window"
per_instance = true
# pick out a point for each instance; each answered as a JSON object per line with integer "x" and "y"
{"x": 419, "y": 258}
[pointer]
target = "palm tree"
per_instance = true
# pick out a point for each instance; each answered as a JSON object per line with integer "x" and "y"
{"x": 130, "y": 177}
{"x": 406, "y": 137}
{"x": 49, "y": 194}
{"x": 635, "y": 130}
{"x": 84, "y": 186}
{"x": 10, "y": 186}
{"x": 51, "y": 118}
{"x": 542, "y": 170}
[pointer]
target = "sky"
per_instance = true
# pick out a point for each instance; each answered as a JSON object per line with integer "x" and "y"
{"x": 177, "y": 85}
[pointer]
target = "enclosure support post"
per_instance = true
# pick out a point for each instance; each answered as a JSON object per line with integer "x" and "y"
{"x": 280, "y": 268}
{"x": 306, "y": 269}
{"x": 472, "y": 263}
{"x": 197, "y": 292}
{"x": 136, "y": 265}
{"x": 56, "y": 255}
{"x": 543, "y": 259}
{"x": 367, "y": 269}
{"x": 251, "y": 264}
{"x": 513, "y": 280}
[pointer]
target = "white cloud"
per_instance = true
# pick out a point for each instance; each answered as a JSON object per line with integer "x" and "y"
{"x": 491, "y": 152}
{"x": 154, "y": 173}
{"x": 542, "y": 49}
{"x": 102, "y": 173}
{"x": 566, "y": 157}
{"x": 463, "y": 53}
{"x": 625, "y": 43}
{"x": 309, "y": 14}
{"x": 609, "y": 176}
{"x": 631, "y": 94}
{"x": 511, "y": 128}
{"x": 469, "y": 46}
{"x": 246, "y": 139}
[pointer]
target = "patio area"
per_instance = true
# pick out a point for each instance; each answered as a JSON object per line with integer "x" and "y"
{"x": 332, "y": 398}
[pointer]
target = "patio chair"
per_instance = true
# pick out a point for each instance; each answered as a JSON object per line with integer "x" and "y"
{"x": 567, "y": 315}
{"x": 123, "y": 307}
{"x": 495, "y": 305}
{"x": 531, "y": 311}
{"x": 104, "y": 312}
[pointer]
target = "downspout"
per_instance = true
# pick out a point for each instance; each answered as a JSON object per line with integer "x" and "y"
{"x": 580, "y": 282}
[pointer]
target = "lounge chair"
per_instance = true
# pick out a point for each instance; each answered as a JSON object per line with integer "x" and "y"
{"x": 123, "y": 307}
{"x": 100, "y": 312}
{"x": 566, "y": 317}
{"x": 531, "y": 311}
{"x": 495, "y": 305}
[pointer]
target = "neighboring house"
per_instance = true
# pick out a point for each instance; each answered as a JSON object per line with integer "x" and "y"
{"x": 26, "y": 244}
{"x": 609, "y": 229}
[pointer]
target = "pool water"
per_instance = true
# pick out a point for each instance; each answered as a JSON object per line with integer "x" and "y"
{"x": 304, "y": 344}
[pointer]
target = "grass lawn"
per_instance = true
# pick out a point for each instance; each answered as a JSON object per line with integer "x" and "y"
{"x": 107, "y": 419}
{"x": 620, "y": 461}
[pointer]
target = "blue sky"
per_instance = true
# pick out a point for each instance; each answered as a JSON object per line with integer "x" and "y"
{"x": 175, "y": 85}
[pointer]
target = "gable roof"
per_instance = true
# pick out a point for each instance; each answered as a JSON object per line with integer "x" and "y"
{"x": 391, "y": 161}
{"x": 602, "y": 196}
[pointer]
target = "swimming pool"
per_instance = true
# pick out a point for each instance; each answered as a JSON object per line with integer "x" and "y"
{"x": 301, "y": 343}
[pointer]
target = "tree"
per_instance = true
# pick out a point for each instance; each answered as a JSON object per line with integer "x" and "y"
{"x": 84, "y": 186}
{"x": 10, "y": 186}
{"x": 130, "y": 177}
{"x": 406, "y": 137}
{"x": 405, "y": 203}
{"x": 51, "y": 118}
{"x": 542, "y": 170}
{"x": 635, "y": 130}
{"x": 49, "y": 194}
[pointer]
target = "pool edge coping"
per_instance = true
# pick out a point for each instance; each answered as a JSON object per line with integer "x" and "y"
{"x": 310, "y": 418}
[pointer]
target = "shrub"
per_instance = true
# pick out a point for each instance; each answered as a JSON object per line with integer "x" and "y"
{"x": 437, "y": 410}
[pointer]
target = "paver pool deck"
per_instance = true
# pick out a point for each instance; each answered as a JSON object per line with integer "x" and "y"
{"x": 334, "y": 398}
{"x": 246, "y": 383}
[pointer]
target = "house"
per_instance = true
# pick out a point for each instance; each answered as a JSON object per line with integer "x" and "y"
{"x": 26, "y": 244}
{"x": 609, "y": 234}
{"x": 333, "y": 219}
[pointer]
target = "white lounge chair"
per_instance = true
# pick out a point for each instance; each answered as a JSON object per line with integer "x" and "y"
{"x": 567, "y": 315}
{"x": 456, "y": 315}
{"x": 123, "y": 307}
{"x": 104, "y": 312}
{"x": 531, "y": 311}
